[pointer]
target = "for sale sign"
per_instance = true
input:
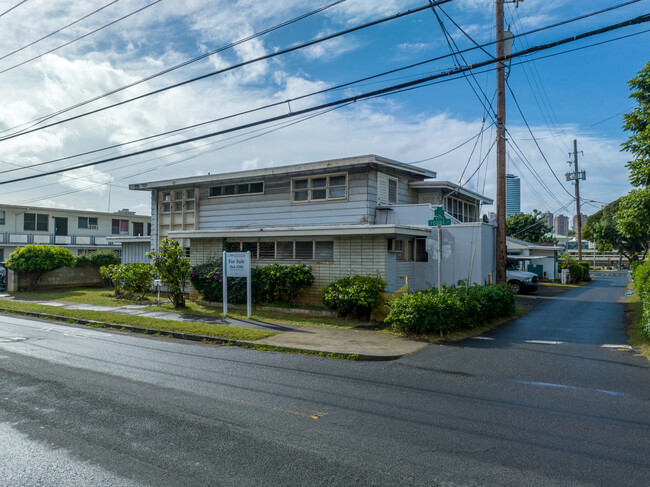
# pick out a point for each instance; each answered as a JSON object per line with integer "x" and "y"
{"x": 238, "y": 264}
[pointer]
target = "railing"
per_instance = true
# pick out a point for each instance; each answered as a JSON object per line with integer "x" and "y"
{"x": 64, "y": 240}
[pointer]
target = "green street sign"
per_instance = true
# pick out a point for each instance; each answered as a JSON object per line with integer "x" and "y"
{"x": 439, "y": 221}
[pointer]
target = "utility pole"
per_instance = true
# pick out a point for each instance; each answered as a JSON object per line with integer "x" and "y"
{"x": 577, "y": 176}
{"x": 501, "y": 148}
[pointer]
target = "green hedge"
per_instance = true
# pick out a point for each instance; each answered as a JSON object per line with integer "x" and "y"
{"x": 456, "y": 308}
{"x": 97, "y": 259}
{"x": 132, "y": 278}
{"x": 578, "y": 270}
{"x": 641, "y": 276}
{"x": 274, "y": 284}
{"x": 354, "y": 295}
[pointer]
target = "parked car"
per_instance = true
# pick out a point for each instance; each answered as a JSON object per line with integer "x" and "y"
{"x": 3, "y": 278}
{"x": 522, "y": 281}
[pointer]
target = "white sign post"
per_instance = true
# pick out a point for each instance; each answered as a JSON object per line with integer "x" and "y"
{"x": 237, "y": 264}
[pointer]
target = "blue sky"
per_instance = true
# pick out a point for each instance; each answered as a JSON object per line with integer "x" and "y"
{"x": 576, "y": 95}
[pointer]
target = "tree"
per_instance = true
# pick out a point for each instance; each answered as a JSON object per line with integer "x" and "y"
{"x": 173, "y": 269}
{"x": 528, "y": 227}
{"x": 36, "y": 260}
{"x": 633, "y": 216}
{"x": 612, "y": 230}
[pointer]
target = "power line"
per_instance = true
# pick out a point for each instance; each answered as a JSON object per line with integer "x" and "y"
{"x": 58, "y": 30}
{"x": 180, "y": 65}
{"x": 454, "y": 148}
{"x": 369, "y": 95}
{"x": 80, "y": 37}
{"x": 11, "y": 8}
{"x": 232, "y": 67}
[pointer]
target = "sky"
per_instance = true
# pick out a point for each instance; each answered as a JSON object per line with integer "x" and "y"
{"x": 58, "y": 55}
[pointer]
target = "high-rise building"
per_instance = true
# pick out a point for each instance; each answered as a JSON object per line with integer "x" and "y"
{"x": 561, "y": 225}
{"x": 513, "y": 195}
{"x": 583, "y": 220}
{"x": 547, "y": 217}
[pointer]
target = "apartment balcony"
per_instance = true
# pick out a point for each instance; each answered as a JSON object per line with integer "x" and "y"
{"x": 59, "y": 240}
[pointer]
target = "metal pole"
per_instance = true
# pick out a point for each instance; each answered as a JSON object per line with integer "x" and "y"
{"x": 578, "y": 219}
{"x": 439, "y": 259}
{"x": 224, "y": 280}
{"x": 501, "y": 149}
{"x": 249, "y": 292}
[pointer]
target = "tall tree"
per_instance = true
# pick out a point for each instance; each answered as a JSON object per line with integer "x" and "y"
{"x": 633, "y": 216}
{"x": 529, "y": 227}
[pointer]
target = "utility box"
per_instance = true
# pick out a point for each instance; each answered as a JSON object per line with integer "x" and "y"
{"x": 536, "y": 269}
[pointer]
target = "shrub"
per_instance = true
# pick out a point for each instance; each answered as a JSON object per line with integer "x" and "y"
{"x": 173, "y": 268}
{"x": 354, "y": 295}
{"x": 97, "y": 259}
{"x": 277, "y": 284}
{"x": 36, "y": 260}
{"x": 578, "y": 270}
{"x": 641, "y": 276}
{"x": 132, "y": 278}
{"x": 454, "y": 308}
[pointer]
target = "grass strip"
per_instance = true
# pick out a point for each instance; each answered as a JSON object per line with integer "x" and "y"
{"x": 633, "y": 318}
{"x": 162, "y": 326}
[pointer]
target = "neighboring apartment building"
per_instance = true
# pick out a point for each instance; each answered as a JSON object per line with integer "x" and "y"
{"x": 79, "y": 231}
{"x": 561, "y": 225}
{"x": 362, "y": 215}
{"x": 513, "y": 195}
{"x": 547, "y": 216}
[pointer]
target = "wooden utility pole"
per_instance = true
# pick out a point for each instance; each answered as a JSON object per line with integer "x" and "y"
{"x": 501, "y": 148}
{"x": 578, "y": 228}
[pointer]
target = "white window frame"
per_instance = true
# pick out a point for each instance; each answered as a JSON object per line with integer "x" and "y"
{"x": 235, "y": 185}
{"x": 385, "y": 179}
{"x": 327, "y": 188}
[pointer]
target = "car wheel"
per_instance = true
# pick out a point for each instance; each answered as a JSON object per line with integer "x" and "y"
{"x": 516, "y": 286}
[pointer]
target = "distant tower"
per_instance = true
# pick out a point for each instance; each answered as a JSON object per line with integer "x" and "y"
{"x": 583, "y": 220}
{"x": 513, "y": 195}
{"x": 561, "y": 225}
{"x": 547, "y": 216}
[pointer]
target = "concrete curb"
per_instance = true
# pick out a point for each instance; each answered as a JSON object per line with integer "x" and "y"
{"x": 202, "y": 338}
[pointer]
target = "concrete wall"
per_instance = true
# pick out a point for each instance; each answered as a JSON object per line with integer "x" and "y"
{"x": 60, "y": 278}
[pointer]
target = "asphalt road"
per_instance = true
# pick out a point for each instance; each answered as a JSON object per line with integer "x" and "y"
{"x": 536, "y": 402}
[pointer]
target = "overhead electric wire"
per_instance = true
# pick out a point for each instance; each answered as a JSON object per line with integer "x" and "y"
{"x": 180, "y": 65}
{"x": 57, "y": 30}
{"x": 381, "y": 92}
{"x": 23, "y": 132}
{"x": 452, "y": 149}
{"x": 72, "y": 41}
{"x": 234, "y": 66}
{"x": 11, "y": 8}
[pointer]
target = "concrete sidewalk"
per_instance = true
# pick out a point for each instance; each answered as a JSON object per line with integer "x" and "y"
{"x": 366, "y": 344}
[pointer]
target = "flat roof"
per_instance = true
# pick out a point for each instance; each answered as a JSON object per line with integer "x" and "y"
{"x": 453, "y": 187}
{"x": 289, "y": 169}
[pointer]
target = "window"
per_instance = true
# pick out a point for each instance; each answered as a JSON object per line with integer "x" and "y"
{"x": 35, "y": 222}
{"x": 267, "y": 250}
{"x": 166, "y": 207}
{"x": 178, "y": 195}
{"x": 87, "y": 222}
{"x": 325, "y": 250}
{"x": 250, "y": 247}
{"x": 284, "y": 250}
{"x": 2, "y": 255}
{"x": 119, "y": 227}
{"x": 237, "y": 189}
{"x": 166, "y": 196}
{"x": 421, "y": 254}
{"x": 386, "y": 189}
{"x": 189, "y": 205}
{"x": 319, "y": 188}
{"x": 138, "y": 229}
{"x": 233, "y": 246}
{"x": 148, "y": 229}
{"x": 2, "y": 217}
{"x": 189, "y": 194}
{"x": 305, "y": 250}
{"x": 178, "y": 206}
{"x": 187, "y": 252}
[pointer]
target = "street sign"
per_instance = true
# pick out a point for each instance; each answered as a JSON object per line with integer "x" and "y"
{"x": 439, "y": 218}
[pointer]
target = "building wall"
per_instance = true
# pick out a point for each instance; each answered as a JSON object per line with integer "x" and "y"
{"x": 59, "y": 278}
{"x": 135, "y": 252}
{"x": 561, "y": 225}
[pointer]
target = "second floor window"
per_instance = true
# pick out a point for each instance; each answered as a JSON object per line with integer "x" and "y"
{"x": 35, "y": 222}
{"x": 87, "y": 222}
{"x": 119, "y": 227}
{"x": 319, "y": 188}
{"x": 2, "y": 217}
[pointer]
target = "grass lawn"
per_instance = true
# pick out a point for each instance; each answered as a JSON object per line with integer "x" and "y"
{"x": 633, "y": 314}
{"x": 220, "y": 331}
{"x": 86, "y": 295}
{"x": 279, "y": 317}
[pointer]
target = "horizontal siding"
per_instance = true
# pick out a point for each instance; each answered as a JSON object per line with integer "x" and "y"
{"x": 274, "y": 207}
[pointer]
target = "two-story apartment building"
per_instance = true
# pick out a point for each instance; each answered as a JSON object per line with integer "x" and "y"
{"x": 80, "y": 231}
{"x": 366, "y": 214}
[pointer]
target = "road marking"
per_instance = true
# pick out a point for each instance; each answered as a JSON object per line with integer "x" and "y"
{"x": 12, "y": 339}
{"x": 482, "y": 338}
{"x": 544, "y": 342}
{"x": 574, "y": 388}
{"x": 616, "y": 347}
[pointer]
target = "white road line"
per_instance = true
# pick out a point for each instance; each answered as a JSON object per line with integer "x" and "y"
{"x": 544, "y": 342}
{"x": 609, "y": 345}
{"x": 482, "y": 338}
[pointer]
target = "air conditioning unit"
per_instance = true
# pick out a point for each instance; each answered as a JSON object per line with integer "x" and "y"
{"x": 92, "y": 227}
